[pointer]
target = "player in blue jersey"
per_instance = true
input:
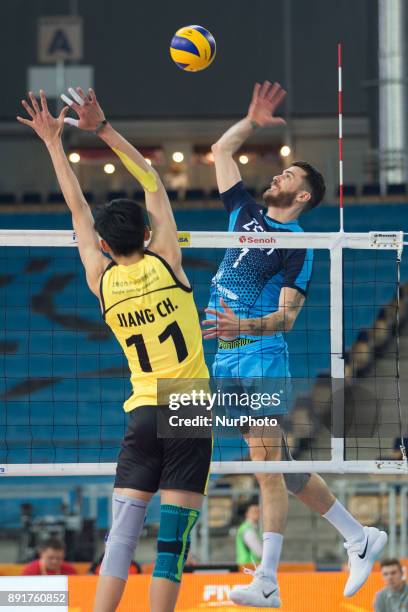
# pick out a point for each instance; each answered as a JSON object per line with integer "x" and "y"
{"x": 256, "y": 297}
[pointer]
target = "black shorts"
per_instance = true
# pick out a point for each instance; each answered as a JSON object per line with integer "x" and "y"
{"x": 148, "y": 463}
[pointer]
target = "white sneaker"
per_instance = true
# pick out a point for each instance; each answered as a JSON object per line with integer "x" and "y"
{"x": 362, "y": 555}
{"x": 261, "y": 593}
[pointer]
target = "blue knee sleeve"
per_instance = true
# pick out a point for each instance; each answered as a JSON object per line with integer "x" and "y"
{"x": 173, "y": 541}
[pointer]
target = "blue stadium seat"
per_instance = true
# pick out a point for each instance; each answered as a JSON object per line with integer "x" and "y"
{"x": 32, "y": 197}
{"x": 116, "y": 195}
{"x": 349, "y": 190}
{"x": 193, "y": 195}
{"x": 89, "y": 196}
{"x": 139, "y": 195}
{"x": 371, "y": 189}
{"x": 173, "y": 194}
{"x": 55, "y": 197}
{"x": 397, "y": 189}
{"x": 7, "y": 198}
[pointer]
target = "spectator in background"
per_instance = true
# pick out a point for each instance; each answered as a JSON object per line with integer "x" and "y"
{"x": 248, "y": 541}
{"x": 51, "y": 561}
{"x": 394, "y": 598}
{"x": 177, "y": 179}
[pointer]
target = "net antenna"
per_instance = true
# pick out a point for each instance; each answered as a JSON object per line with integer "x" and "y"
{"x": 340, "y": 113}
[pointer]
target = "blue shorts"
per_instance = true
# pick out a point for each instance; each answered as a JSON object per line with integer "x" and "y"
{"x": 265, "y": 371}
{"x": 257, "y": 374}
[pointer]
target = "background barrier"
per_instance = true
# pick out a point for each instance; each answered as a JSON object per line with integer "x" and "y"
{"x": 301, "y": 592}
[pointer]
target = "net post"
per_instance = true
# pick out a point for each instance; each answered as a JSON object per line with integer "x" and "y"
{"x": 403, "y": 522}
{"x": 392, "y": 516}
{"x": 336, "y": 353}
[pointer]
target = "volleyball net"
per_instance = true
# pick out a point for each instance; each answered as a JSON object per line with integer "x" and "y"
{"x": 64, "y": 379}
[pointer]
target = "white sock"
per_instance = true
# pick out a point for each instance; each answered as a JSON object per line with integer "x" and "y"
{"x": 271, "y": 552}
{"x": 344, "y": 522}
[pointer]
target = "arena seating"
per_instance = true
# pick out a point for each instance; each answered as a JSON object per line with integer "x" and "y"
{"x": 7, "y": 198}
{"x": 371, "y": 189}
{"x": 353, "y": 193}
{"x": 115, "y": 195}
{"x": 31, "y": 197}
{"x": 55, "y": 197}
{"x": 349, "y": 190}
{"x": 397, "y": 189}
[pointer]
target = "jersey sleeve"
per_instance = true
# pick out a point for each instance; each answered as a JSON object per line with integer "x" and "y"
{"x": 236, "y": 198}
{"x": 298, "y": 266}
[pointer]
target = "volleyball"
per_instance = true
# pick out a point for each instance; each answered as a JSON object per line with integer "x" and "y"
{"x": 193, "y": 48}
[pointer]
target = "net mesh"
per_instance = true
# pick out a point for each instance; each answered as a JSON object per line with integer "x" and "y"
{"x": 63, "y": 377}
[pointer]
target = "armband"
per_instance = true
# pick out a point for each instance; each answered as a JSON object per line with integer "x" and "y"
{"x": 147, "y": 179}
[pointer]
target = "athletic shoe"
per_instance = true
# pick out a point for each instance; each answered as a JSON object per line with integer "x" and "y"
{"x": 261, "y": 593}
{"x": 362, "y": 555}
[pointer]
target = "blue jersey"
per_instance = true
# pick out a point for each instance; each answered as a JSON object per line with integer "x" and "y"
{"x": 250, "y": 279}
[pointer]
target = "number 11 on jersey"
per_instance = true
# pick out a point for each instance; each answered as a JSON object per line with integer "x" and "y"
{"x": 171, "y": 331}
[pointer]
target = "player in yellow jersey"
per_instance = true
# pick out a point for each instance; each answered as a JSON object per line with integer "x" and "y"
{"x": 147, "y": 301}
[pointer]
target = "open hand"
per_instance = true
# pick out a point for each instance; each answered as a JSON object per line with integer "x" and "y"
{"x": 225, "y": 323}
{"x": 265, "y": 100}
{"x": 86, "y": 107}
{"x": 47, "y": 127}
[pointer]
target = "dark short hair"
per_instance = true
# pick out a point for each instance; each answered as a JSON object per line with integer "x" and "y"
{"x": 387, "y": 562}
{"x": 53, "y": 543}
{"x": 315, "y": 182}
{"x": 122, "y": 224}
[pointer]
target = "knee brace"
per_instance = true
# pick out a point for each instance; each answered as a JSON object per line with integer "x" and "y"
{"x": 173, "y": 542}
{"x": 128, "y": 519}
{"x": 295, "y": 483}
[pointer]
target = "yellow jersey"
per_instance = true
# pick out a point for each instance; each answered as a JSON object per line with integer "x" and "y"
{"x": 155, "y": 320}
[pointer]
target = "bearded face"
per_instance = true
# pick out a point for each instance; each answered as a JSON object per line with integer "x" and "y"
{"x": 278, "y": 197}
{"x": 285, "y": 188}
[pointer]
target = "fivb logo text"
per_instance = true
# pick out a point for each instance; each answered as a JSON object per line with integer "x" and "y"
{"x": 256, "y": 240}
{"x": 217, "y": 593}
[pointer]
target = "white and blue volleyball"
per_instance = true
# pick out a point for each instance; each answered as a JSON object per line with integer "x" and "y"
{"x": 193, "y": 48}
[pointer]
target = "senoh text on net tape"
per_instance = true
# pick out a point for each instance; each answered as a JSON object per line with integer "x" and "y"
{"x": 256, "y": 240}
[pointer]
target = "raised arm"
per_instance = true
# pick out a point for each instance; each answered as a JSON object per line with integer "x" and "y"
{"x": 164, "y": 229}
{"x": 49, "y": 129}
{"x": 265, "y": 100}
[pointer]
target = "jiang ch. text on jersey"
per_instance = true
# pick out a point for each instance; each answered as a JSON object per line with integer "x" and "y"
{"x": 146, "y": 315}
